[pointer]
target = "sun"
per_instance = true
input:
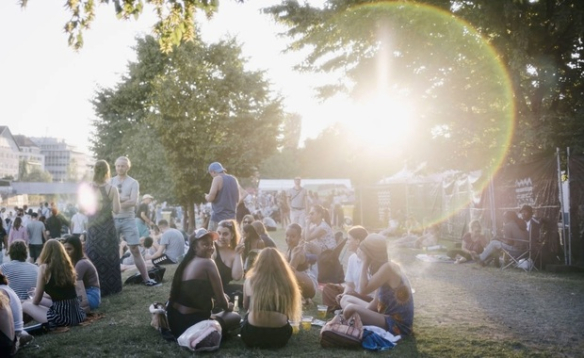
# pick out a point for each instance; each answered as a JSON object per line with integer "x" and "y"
{"x": 379, "y": 121}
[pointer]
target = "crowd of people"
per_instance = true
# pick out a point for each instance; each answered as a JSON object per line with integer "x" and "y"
{"x": 232, "y": 263}
{"x": 57, "y": 279}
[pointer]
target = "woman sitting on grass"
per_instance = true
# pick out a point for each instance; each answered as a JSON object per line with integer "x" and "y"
{"x": 252, "y": 245}
{"x": 473, "y": 244}
{"x": 196, "y": 285}
{"x": 296, "y": 256}
{"x": 228, "y": 256}
{"x": 86, "y": 272}
{"x": 263, "y": 233}
{"x": 319, "y": 234}
{"x": 57, "y": 279}
{"x": 272, "y": 297}
{"x": 393, "y": 306}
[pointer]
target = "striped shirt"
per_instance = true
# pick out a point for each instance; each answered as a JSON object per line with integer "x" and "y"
{"x": 22, "y": 276}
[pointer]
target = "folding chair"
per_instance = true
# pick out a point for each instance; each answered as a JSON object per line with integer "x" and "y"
{"x": 517, "y": 256}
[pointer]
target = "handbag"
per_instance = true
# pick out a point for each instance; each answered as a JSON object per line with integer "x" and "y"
{"x": 341, "y": 332}
{"x": 204, "y": 336}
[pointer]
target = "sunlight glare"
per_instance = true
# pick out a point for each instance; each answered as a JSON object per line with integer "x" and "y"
{"x": 380, "y": 121}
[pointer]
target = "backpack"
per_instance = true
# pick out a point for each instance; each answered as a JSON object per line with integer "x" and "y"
{"x": 329, "y": 266}
{"x": 155, "y": 273}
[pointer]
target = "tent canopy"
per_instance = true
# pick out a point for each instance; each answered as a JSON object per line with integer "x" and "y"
{"x": 318, "y": 185}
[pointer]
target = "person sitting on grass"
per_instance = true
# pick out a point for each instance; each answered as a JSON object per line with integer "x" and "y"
{"x": 22, "y": 275}
{"x": 145, "y": 246}
{"x": 86, "y": 272}
{"x": 272, "y": 297}
{"x": 56, "y": 279}
{"x": 247, "y": 219}
{"x": 473, "y": 244}
{"x": 514, "y": 239}
{"x": 319, "y": 235}
{"x": 428, "y": 238}
{"x": 16, "y": 307}
{"x": 196, "y": 287}
{"x": 333, "y": 293}
{"x": 7, "y": 333}
{"x": 261, "y": 230}
{"x": 228, "y": 258}
{"x": 252, "y": 245}
{"x": 172, "y": 246}
{"x": 393, "y": 306}
{"x": 296, "y": 257}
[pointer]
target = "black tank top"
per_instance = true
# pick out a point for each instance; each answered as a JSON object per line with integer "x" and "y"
{"x": 224, "y": 270}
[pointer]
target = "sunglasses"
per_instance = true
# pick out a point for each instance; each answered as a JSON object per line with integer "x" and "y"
{"x": 226, "y": 223}
{"x": 247, "y": 221}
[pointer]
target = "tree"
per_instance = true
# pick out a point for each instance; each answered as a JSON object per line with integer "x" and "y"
{"x": 426, "y": 55}
{"x": 176, "y": 18}
{"x": 31, "y": 172}
{"x": 175, "y": 113}
{"x": 206, "y": 107}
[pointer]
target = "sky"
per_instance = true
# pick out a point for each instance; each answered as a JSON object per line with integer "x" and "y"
{"x": 46, "y": 86}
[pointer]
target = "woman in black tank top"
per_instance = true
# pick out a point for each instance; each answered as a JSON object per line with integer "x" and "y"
{"x": 228, "y": 258}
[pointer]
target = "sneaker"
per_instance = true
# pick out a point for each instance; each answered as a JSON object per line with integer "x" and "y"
{"x": 152, "y": 283}
{"x": 25, "y": 339}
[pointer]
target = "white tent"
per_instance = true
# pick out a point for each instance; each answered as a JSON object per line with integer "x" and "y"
{"x": 309, "y": 184}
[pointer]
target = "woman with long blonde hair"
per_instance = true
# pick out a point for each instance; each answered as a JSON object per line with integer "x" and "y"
{"x": 272, "y": 297}
{"x": 57, "y": 279}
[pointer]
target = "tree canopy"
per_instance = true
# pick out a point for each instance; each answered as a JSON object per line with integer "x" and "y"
{"x": 174, "y": 114}
{"x": 176, "y": 18}
{"x": 475, "y": 69}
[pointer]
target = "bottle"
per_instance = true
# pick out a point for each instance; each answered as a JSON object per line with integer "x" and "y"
{"x": 236, "y": 304}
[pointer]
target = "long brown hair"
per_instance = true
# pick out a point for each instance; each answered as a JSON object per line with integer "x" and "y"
{"x": 59, "y": 265}
{"x": 17, "y": 223}
{"x": 274, "y": 285}
{"x": 101, "y": 172}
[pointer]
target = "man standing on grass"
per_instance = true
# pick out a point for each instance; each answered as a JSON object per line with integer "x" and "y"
{"x": 298, "y": 199}
{"x": 128, "y": 189}
{"x": 223, "y": 195}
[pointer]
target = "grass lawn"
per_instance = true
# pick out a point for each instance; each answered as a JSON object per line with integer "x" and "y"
{"x": 125, "y": 331}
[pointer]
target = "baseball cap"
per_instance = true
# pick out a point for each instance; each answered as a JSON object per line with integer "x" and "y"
{"x": 147, "y": 196}
{"x": 201, "y": 233}
{"x": 216, "y": 167}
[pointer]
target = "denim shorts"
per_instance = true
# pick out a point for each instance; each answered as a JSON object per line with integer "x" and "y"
{"x": 93, "y": 296}
{"x": 128, "y": 229}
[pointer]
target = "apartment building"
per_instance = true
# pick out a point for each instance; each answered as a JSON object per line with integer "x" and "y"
{"x": 63, "y": 161}
{"x": 9, "y": 154}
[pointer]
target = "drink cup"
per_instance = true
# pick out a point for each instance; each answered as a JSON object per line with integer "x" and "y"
{"x": 322, "y": 309}
{"x": 306, "y": 323}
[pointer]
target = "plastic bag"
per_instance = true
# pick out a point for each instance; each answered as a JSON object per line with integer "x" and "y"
{"x": 204, "y": 336}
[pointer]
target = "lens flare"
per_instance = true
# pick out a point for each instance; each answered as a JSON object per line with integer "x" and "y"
{"x": 87, "y": 199}
{"x": 453, "y": 68}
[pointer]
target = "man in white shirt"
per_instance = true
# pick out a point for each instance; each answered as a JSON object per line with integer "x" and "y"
{"x": 78, "y": 223}
{"x": 298, "y": 199}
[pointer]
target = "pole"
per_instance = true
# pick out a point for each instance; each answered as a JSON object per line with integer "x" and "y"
{"x": 559, "y": 172}
{"x": 569, "y": 212}
{"x": 492, "y": 208}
